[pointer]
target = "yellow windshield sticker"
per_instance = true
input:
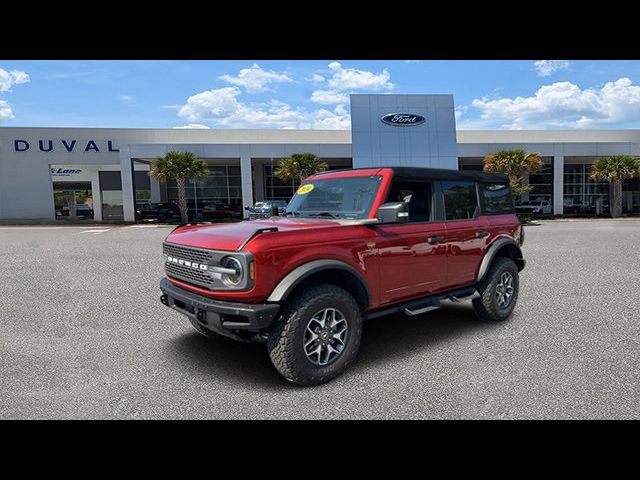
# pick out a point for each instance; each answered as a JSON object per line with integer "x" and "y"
{"x": 304, "y": 189}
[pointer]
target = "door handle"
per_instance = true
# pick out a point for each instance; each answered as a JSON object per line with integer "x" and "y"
{"x": 482, "y": 234}
{"x": 435, "y": 240}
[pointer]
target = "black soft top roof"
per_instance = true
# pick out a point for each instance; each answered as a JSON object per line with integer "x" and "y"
{"x": 444, "y": 174}
{"x": 436, "y": 174}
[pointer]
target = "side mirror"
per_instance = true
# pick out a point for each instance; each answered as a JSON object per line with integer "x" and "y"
{"x": 247, "y": 207}
{"x": 393, "y": 212}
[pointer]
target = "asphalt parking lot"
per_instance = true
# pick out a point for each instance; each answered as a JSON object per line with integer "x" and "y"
{"x": 83, "y": 335}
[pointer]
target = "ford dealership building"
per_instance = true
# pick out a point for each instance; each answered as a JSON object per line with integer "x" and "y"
{"x": 46, "y": 173}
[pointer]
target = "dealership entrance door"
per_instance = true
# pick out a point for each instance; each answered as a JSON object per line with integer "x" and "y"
{"x": 73, "y": 200}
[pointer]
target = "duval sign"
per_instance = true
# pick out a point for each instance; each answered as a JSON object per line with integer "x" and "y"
{"x": 65, "y": 145}
{"x": 403, "y": 119}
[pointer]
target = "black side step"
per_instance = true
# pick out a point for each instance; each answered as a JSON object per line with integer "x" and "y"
{"x": 425, "y": 304}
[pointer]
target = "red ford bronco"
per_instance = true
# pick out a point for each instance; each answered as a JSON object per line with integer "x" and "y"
{"x": 352, "y": 245}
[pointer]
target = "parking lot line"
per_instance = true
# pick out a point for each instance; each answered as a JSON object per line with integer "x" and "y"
{"x": 93, "y": 231}
{"x": 141, "y": 226}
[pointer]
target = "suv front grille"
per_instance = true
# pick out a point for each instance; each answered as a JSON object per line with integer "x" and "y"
{"x": 192, "y": 254}
{"x": 189, "y": 275}
{"x": 183, "y": 272}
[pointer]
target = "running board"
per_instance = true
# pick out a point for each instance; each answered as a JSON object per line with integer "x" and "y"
{"x": 421, "y": 310}
{"x": 426, "y": 304}
{"x": 473, "y": 296}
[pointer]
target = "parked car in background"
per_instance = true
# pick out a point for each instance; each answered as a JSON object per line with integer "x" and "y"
{"x": 84, "y": 211}
{"x": 221, "y": 211}
{"x": 264, "y": 209}
{"x": 62, "y": 211}
{"x": 159, "y": 211}
{"x": 539, "y": 207}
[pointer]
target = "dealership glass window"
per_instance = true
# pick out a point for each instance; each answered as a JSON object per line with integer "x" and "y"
{"x": 276, "y": 189}
{"x": 460, "y": 200}
{"x": 582, "y": 195}
{"x": 542, "y": 182}
{"x": 471, "y": 163}
{"x": 631, "y": 195}
{"x": 111, "y": 193}
{"x": 222, "y": 186}
{"x": 142, "y": 184}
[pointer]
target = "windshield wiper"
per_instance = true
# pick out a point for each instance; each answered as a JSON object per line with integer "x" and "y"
{"x": 322, "y": 214}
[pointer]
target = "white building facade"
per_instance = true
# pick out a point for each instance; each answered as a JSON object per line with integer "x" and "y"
{"x": 47, "y": 171}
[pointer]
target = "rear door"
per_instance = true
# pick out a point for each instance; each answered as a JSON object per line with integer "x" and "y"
{"x": 466, "y": 231}
{"x": 497, "y": 208}
{"x": 412, "y": 255}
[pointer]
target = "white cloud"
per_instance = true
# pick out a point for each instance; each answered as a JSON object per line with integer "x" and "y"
{"x": 460, "y": 110}
{"x": 223, "y": 108}
{"x": 14, "y": 77}
{"x": 316, "y": 78}
{"x": 198, "y": 126}
{"x": 216, "y": 103}
{"x": 413, "y": 61}
{"x": 125, "y": 98}
{"x": 345, "y": 80}
{"x": 565, "y": 105}
{"x": 548, "y": 67}
{"x": 256, "y": 80}
{"x": 5, "y": 110}
{"x": 329, "y": 97}
{"x": 351, "y": 79}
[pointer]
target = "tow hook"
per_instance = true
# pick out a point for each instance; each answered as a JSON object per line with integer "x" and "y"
{"x": 202, "y": 316}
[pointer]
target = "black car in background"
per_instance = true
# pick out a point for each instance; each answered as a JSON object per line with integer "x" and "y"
{"x": 84, "y": 211}
{"x": 158, "y": 211}
{"x": 220, "y": 211}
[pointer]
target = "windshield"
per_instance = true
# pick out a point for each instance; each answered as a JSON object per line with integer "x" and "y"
{"x": 259, "y": 204}
{"x": 348, "y": 197}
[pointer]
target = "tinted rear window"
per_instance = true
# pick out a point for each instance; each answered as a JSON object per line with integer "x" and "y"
{"x": 460, "y": 200}
{"x": 496, "y": 199}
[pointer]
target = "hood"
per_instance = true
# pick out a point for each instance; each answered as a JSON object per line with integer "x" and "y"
{"x": 231, "y": 236}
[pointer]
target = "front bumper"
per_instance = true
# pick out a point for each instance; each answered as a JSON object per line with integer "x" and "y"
{"x": 216, "y": 315}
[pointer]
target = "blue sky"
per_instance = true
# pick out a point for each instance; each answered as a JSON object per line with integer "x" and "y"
{"x": 509, "y": 94}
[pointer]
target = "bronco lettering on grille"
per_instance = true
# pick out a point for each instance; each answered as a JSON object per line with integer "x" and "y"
{"x": 186, "y": 263}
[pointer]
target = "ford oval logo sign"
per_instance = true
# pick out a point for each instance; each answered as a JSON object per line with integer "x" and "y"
{"x": 403, "y": 119}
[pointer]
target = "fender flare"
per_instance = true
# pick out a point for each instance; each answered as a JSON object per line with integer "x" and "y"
{"x": 292, "y": 279}
{"x": 491, "y": 253}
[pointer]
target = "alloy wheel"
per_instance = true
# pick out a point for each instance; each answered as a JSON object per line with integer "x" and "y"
{"x": 504, "y": 290}
{"x": 325, "y": 336}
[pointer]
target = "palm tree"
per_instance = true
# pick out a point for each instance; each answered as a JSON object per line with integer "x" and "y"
{"x": 616, "y": 170}
{"x": 300, "y": 166}
{"x": 181, "y": 166}
{"x": 515, "y": 164}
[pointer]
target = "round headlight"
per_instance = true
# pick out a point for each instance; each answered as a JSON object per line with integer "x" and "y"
{"x": 232, "y": 280}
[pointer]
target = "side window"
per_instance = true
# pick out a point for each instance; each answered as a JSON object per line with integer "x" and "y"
{"x": 496, "y": 198}
{"x": 416, "y": 194}
{"x": 460, "y": 200}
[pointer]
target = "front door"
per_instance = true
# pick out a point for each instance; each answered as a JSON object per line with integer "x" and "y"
{"x": 413, "y": 255}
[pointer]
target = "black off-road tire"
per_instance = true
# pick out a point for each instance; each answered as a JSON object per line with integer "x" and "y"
{"x": 286, "y": 339}
{"x": 486, "y": 307}
{"x": 203, "y": 331}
